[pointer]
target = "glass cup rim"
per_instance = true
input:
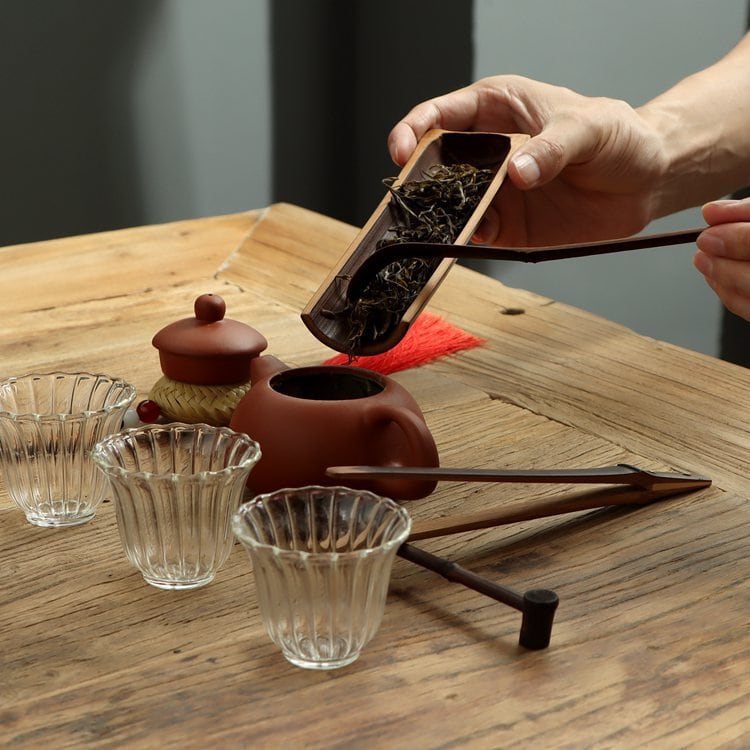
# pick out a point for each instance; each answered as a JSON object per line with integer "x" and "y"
{"x": 106, "y": 465}
{"x": 397, "y": 541}
{"x": 127, "y": 397}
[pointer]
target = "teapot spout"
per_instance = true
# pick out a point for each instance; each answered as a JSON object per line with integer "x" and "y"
{"x": 265, "y": 366}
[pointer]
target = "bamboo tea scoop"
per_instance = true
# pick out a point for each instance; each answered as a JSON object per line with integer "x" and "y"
{"x": 537, "y": 605}
{"x": 382, "y": 256}
{"x": 326, "y": 314}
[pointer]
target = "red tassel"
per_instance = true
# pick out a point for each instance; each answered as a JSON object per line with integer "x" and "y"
{"x": 429, "y": 338}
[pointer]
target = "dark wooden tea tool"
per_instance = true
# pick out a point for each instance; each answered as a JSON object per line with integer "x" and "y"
{"x": 537, "y": 605}
{"x": 638, "y": 487}
{"x": 617, "y": 474}
{"x": 572, "y": 502}
{"x": 382, "y": 256}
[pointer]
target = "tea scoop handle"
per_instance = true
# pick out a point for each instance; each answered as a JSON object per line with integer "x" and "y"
{"x": 388, "y": 253}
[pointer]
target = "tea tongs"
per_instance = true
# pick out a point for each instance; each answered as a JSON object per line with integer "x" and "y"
{"x": 538, "y": 606}
{"x": 381, "y": 256}
{"x": 637, "y": 487}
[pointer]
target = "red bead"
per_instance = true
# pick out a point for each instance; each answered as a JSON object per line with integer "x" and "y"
{"x": 148, "y": 411}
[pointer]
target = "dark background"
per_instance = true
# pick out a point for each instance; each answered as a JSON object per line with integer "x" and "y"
{"x": 67, "y": 161}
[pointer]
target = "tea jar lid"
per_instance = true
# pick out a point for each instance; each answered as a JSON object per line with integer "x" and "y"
{"x": 208, "y": 349}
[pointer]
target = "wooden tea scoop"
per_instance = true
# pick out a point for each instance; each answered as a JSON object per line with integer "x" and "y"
{"x": 537, "y": 605}
{"x": 326, "y": 314}
{"x": 382, "y": 256}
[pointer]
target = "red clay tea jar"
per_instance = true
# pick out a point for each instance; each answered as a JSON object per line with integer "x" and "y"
{"x": 206, "y": 364}
{"x": 208, "y": 349}
{"x": 309, "y": 418}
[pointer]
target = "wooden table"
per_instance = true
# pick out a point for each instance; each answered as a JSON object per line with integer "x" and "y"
{"x": 650, "y": 647}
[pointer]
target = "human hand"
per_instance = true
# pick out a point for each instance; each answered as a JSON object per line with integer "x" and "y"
{"x": 590, "y": 170}
{"x": 723, "y": 255}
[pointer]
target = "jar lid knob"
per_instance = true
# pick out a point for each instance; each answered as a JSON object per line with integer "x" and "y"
{"x": 210, "y": 308}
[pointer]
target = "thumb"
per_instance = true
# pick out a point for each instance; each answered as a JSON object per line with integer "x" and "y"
{"x": 544, "y": 156}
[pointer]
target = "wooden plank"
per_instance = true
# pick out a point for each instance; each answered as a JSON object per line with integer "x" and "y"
{"x": 650, "y": 644}
{"x": 47, "y": 275}
{"x": 612, "y": 667}
{"x": 288, "y": 251}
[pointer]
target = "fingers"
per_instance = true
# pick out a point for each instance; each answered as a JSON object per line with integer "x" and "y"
{"x": 723, "y": 255}
{"x": 730, "y": 279}
{"x": 536, "y": 163}
{"x": 401, "y": 143}
{"x": 524, "y": 169}
{"x": 565, "y": 127}
{"x": 455, "y": 111}
{"x": 723, "y": 212}
{"x": 488, "y": 229}
{"x": 728, "y": 240}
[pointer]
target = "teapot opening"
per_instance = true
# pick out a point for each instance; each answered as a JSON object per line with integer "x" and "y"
{"x": 325, "y": 385}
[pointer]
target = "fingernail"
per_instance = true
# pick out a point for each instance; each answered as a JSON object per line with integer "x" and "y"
{"x": 704, "y": 264}
{"x": 482, "y": 232}
{"x": 528, "y": 168}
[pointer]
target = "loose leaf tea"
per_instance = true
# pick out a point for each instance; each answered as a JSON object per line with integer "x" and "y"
{"x": 433, "y": 209}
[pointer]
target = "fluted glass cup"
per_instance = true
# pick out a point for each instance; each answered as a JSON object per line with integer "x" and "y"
{"x": 322, "y": 560}
{"x": 175, "y": 488}
{"x": 49, "y": 424}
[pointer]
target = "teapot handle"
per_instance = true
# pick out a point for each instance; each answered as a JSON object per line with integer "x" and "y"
{"x": 422, "y": 450}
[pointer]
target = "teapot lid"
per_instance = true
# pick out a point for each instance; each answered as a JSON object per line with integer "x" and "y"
{"x": 208, "y": 349}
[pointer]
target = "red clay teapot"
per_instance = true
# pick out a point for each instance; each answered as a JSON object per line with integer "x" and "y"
{"x": 309, "y": 418}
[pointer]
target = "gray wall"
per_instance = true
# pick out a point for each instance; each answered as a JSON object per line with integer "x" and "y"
{"x": 200, "y": 98}
{"x": 123, "y": 113}
{"x": 343, "y": 73}
{"x": 629, "y": 50}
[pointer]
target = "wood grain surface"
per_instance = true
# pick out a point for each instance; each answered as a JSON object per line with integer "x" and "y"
{"x": 650, "y": 646}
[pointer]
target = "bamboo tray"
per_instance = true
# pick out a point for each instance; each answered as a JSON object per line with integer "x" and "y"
{"x": 482, "y": 150}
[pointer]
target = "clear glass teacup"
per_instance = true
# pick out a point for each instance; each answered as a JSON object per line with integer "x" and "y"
{"x": 175, "y": 489}
{"x": 49, "y": 425}
{"x": 322, "y": 559}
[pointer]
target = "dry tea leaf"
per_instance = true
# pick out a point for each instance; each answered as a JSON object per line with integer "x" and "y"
{"x": 433, "y": 209}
